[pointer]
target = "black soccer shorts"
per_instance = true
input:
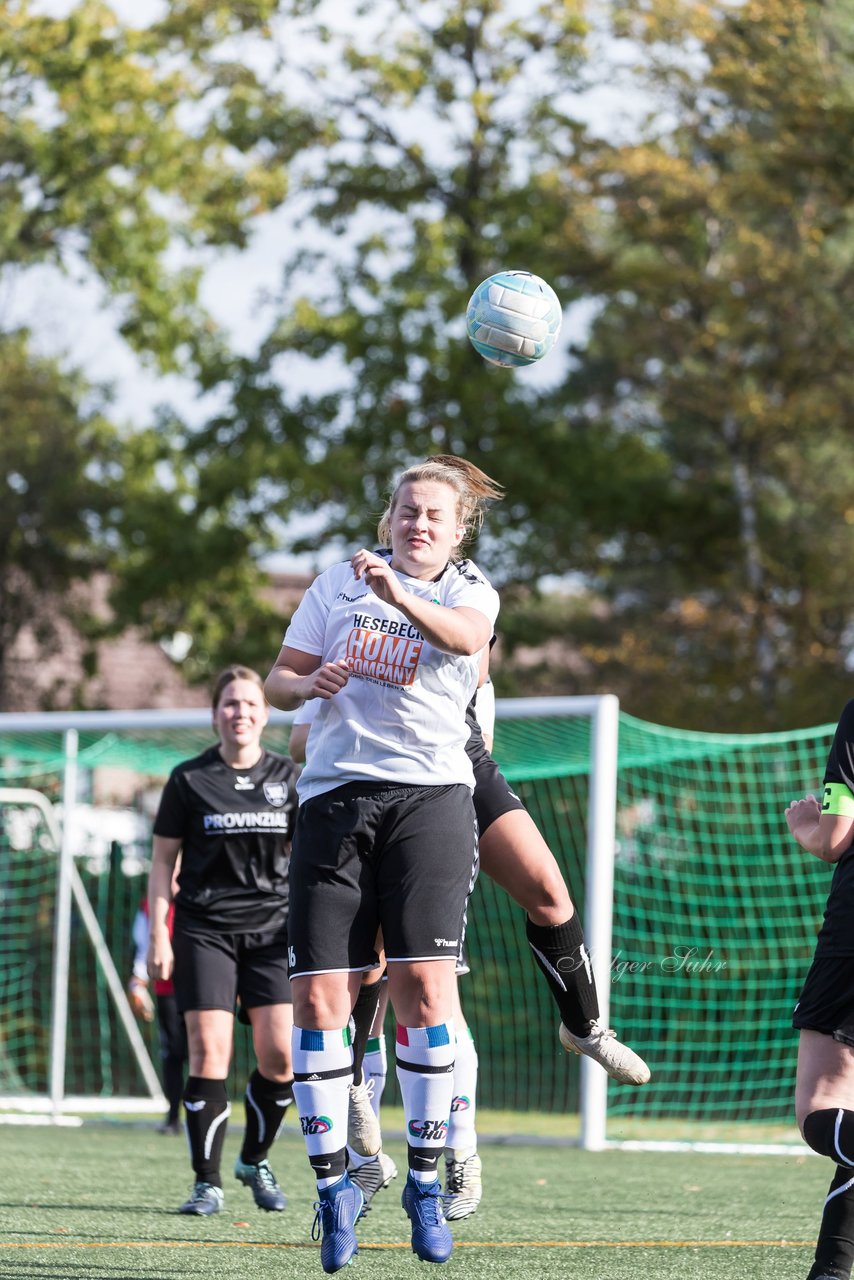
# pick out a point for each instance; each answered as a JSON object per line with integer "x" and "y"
{"x": 213, "y": 968}
{"x": 369, "y": 855}
{"x": 826, "y": 1001}
{"x": 492, "y": 794}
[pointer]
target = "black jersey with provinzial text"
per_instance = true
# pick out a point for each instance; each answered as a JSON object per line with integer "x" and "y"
{"x": 836, "y": 936}
{"x": 235, "y": 828}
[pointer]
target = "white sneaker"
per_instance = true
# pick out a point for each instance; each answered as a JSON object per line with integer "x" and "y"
{"x": 373, "y": 1176}
{"x": 463, "y": 1186}
{"x": 363, "y": 1127}
{"x": 388, "y": 1167}
{"x": 602, "y": 1045}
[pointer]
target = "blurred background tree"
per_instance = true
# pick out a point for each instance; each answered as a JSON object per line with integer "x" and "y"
{"x": 678, "y": 518}
{"x": 725, "y": 341}
{"x": 127, "y": 154}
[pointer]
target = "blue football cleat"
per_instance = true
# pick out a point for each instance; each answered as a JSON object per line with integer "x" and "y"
{"x": 431, "y": 1236}
{"x": 336, "y": 1211}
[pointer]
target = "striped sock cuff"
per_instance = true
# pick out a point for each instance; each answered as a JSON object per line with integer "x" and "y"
{"x": 426, "y": 1038}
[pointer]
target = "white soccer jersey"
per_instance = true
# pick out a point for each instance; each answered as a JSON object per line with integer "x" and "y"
{"x": 401, "y": 715}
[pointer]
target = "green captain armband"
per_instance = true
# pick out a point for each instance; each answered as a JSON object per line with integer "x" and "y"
{"x": 837, "y": 800}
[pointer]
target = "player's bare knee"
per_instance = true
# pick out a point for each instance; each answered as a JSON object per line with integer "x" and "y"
{"x": 274, "y": 1062}
{"x": 550, "y": 903}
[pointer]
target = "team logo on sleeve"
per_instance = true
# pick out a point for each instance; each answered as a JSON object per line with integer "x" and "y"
{"x": 276, "y": 793}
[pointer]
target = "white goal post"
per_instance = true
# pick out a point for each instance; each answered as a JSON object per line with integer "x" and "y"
{"x": 70, "y": 889}
{"x": 603, "y": 714}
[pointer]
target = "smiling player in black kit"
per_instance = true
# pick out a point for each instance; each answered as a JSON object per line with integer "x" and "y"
{"x": 229, "y": 814}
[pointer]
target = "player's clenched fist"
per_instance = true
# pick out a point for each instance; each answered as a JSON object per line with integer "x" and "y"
{"x": 378, "y": 574}
{"x": 801, "y": 813}
{"x": 328, "y": 680}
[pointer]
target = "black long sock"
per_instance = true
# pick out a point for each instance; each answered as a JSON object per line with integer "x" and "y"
{"x": 834, "y": 1250}
{"x": 364, "y": 1012}
{"x": 173, "y": 1085}
{"x": 560, "y": 952}
{"x": 266, "y": 1103}
{"x": 207, "y": 1110}
{"x": 830, "y": 1132}
{"x": 173, "y": 1052}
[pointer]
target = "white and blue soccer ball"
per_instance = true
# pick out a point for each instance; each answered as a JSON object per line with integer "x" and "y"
{"x": 513, "y": 318}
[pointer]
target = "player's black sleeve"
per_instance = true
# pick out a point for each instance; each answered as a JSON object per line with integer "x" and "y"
{"x": 840, "y": 761}
{"x": 171, "y": 812}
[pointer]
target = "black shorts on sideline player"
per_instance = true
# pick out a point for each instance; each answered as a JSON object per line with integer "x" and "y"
{"x": 826, "y": 1002}
{"x": 380, "y": 854}
{"x": 213, "y": 968}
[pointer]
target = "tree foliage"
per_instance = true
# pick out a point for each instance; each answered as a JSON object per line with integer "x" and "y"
{"x": 53, "y": 505}
{"x": 691, "y": 464}
{"x": 437, "y": 166}
{"x": 124, "y": 148}
{"x": 726, "y": 341}
{"x": 685, "y": 462}
{"x": 128, "y": 155}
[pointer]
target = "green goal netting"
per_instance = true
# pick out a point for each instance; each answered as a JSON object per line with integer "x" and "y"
{"x": 715, "y": 913}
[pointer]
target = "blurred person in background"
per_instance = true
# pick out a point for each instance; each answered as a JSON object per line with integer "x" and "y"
{"x": 170, "y": 1023}
{"x": 228, "y": 814}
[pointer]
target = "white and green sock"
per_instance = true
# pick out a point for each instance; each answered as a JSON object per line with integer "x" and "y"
{"x": 375, "y": 1069}
{"x": 462, "y": 1135}
{"x": 425, "y": 1067}
{"x": 323, "y": 1073}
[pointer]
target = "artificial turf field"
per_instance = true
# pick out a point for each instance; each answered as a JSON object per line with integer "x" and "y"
{"x": 98, "y": 1203}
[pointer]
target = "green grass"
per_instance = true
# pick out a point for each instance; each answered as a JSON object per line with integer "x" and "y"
{"x": 97, "y": 1203}
{"x": 565, "y": 1128}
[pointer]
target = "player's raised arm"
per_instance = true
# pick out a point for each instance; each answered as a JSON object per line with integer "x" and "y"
{"x": 460, "y": 630}
{"x": 824, "y": 834}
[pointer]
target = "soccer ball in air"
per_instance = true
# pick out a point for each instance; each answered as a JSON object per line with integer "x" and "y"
{"x": 513, "y": 318}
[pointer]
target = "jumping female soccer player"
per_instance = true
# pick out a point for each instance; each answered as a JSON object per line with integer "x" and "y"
{"x": 386, "y": 819}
